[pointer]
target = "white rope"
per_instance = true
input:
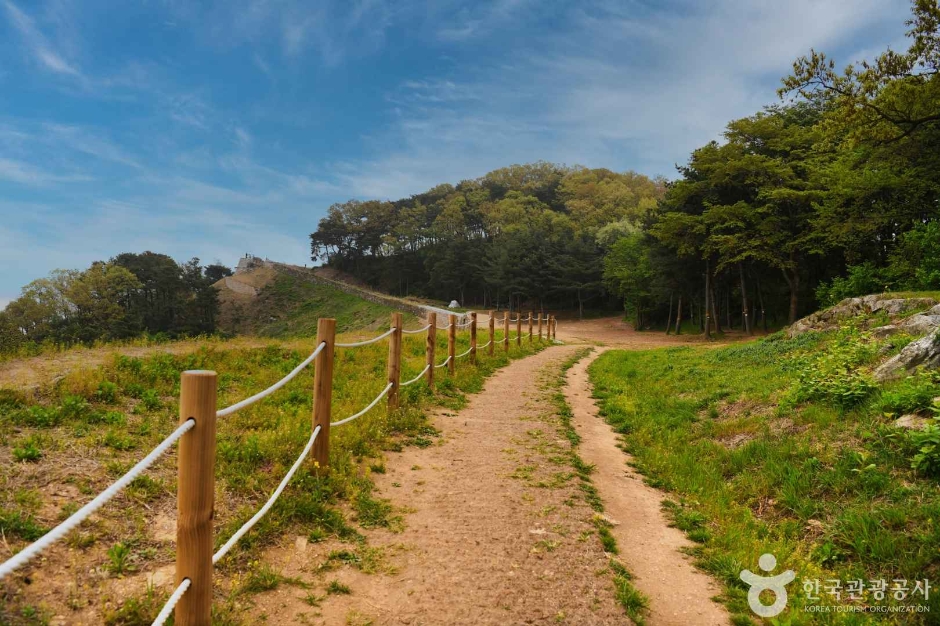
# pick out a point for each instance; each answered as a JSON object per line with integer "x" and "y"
{"x": 485, "y": 344}
{"x": 367, "y": 341}
{"x": 267, "y": 392}
{"x": 267, "y": 505}
{"x": 416, "y": 331}
{"x": 418, "y": 377}
{"x": 100, "y": 500}
{"x": 465, "y": 324}
{"x": 365, "y": 410}
{"x": 464, "y": 353}
{"x": 444, "y": 327}
{"x": 444, "y": 363}
{"x": 167, "y": 609}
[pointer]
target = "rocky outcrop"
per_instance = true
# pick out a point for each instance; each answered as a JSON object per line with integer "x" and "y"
{"x": 923, "y": 352}
{"x": 829, "y": 319}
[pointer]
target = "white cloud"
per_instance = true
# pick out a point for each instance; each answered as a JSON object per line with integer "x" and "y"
{"x": 4, "y": 302}
{"x": 26, "y": 174}
{"x": 37, "y": 42}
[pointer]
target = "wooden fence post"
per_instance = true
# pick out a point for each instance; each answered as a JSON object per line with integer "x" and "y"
{"x": 394, "y": 361}
{"x": 552, "y": 328}
{"x": 473, "y": 337}
{"x": 196, "y": 497}
{"x": 323, "y": 390}
{"x": 452, "y": 343}
{"x": 518, "y": 328}
{"x": 492, "y": 331}
{"x": 530, "y": 326}
{"x": 540, "y": 326}
{"x": 429, "y": 347}
{"x": 506, "y": 331}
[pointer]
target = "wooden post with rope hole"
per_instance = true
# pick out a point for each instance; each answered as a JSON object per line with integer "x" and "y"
{"x": 323, "y": 390}
{"x": 506, "y": 331}
{"x": 540, "y": 326}
{"x": 473, "y": 337}
{"x": 492, "y": 331}
{"x": 196, "y": 497}
{"x": 394, "y": 361}
{"x": 518, "y": 328}
{"x": 452, "y": 343}
{"x": 530, "y": 326}
{"x": 429, "y": 348}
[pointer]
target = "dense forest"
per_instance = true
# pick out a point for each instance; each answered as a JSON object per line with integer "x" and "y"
{"x": 128, "y": 296}
{"x": 831, "y": 193}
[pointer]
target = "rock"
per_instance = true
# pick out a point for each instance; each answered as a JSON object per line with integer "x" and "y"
{"x": 925, "y": 351}
{"x": 896, "y": 306}
{"x": 852, "y": 307}
{"x": 885, "y": 331}
{"x": 453, "y": 304}
{"x": 920, "y": 324}
{"x": 911, "y": 421}
{"x": 162, "y": 577}
{"x": 300, "y": 544}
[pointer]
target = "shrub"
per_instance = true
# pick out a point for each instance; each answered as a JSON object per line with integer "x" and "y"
{"x": 861, "y": 280}
{"x": 927, "y": 441}
{"x": 107, "y": 392}
{"x": 835, "y": 375}
{"x": 151, "y": 400}
{"x": 28, "y": 450}
{"x": 910, "y": 395}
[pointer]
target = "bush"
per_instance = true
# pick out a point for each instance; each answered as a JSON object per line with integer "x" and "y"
{"x": 74, "y": 407}
{"x": 28, "y": 450}
{"x": 861, "y": 280}
{"x": 835, "y": 374}
{"x": 927, "y": 441}
{"x": 107, "y": 392}
{"x": 910, "y": 395}
{"x": 151, "y": 400}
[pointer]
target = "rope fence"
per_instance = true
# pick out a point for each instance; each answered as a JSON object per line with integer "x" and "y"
{"x": 191, "y": 600}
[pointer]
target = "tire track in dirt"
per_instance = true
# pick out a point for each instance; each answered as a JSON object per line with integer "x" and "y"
{"x": 679, "y": 594}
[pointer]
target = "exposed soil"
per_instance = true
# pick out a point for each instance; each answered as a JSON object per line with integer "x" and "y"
{"x": 492, "y": 535}
{"x": 679, "y": 594}
{"x": 495, "y": 531}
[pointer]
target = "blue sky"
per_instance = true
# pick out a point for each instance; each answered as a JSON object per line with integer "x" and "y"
{"x": 216, "y": 128}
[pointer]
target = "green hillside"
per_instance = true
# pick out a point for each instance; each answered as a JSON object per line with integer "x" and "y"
{"x": 289, "y": 306}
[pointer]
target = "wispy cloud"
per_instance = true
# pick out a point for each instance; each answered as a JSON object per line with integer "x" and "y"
{"x": 26, "y": 174}
{"x": 41, "y": 49}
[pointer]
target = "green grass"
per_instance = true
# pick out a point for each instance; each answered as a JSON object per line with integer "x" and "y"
{"x": 783, "y": 446}
{"x": 100, "y": 415}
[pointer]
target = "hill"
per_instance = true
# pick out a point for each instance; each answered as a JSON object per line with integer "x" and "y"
{"x": 270, "y": 301}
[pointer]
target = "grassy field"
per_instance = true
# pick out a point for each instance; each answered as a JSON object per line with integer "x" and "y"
{"x": 64, "y": 442}
{"x": 787, "y": 447}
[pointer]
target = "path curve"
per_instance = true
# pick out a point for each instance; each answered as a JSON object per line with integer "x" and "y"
{"x": 679, "y": 593}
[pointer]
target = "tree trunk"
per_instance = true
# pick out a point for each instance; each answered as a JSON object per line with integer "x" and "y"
{"x": 728, "y": 308}
{"x": 580, "y": 306}
{"x": 679, "y": 316}
{"x": 669, "y": 318}
{"x": 793, "y": 281}
{"x": 708, "y": 297}
{"x": 745, "y": 320}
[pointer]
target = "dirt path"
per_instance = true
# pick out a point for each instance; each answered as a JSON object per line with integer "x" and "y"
{"x": 496, "y": 529}
{"x": 679, "y": 594}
